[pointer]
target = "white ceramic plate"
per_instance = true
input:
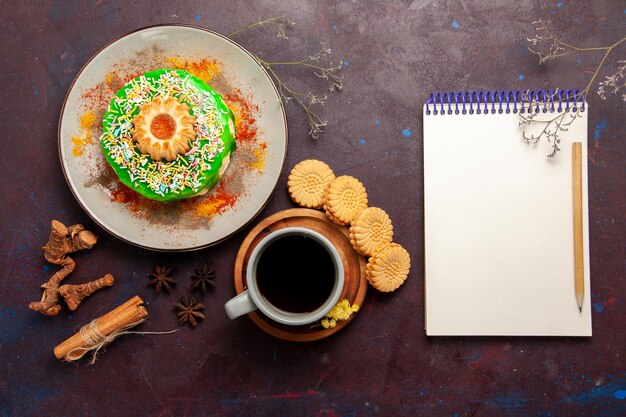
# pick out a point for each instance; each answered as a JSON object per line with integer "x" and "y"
{"x": 257, "y": 186}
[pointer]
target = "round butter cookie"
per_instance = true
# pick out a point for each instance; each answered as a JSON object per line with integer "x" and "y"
{"x": 371, "y": 231}
{"x": 344, "y": 199}
{"x": 308, "y": 181}
{"x": 389, "y": 268}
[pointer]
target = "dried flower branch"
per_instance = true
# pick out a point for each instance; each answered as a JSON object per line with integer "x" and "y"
{"x": 548, "y": 47}
{"x": 280, "y": 22}
{"x": 313, "y": 63}
{"x": 614, "y": 83}
{"x": 551, "y": 127}
{"x": 316, "y": 123}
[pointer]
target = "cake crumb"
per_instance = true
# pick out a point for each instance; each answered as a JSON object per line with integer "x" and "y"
{"x": 259, "y": 153}
{"x": 87, "y": 121}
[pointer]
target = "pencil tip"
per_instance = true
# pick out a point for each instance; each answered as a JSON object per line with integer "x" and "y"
{"x": 580, "y": 308}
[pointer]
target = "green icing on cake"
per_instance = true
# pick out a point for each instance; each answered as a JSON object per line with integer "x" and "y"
{"x": 187, "y": 175}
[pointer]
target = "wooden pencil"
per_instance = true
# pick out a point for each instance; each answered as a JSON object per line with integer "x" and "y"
{"x": 577, "y": 188}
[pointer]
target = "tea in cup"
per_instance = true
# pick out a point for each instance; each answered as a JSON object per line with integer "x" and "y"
{"x": 294, "y": 276}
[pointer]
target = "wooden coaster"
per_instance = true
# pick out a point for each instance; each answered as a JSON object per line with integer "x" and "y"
{"x": 355, "y": 282}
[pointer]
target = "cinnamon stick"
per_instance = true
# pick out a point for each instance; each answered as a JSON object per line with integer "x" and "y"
{"x": 132, "y": 311}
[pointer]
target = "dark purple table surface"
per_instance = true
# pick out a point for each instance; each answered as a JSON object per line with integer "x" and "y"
{"x": 395, "y": 53}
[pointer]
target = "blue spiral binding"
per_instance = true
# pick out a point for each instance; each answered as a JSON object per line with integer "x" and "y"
{"x": 503, "y": 101}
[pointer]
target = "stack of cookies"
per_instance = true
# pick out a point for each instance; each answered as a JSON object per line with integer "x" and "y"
{"x": 313, "y": 184}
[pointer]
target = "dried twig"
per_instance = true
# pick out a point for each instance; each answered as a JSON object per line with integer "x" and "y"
{"x": 280, "y": 22}
{"x": 548, "y": 46}
{"x": 614, "y": 83}
{"x": 313, "y": 63}
{"x": 551, "y": 128}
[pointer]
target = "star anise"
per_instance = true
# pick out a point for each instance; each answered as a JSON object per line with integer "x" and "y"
{"x": 203, "y": 279}
{"x": 161, "y": 278}
{"x": 189, "y": 311}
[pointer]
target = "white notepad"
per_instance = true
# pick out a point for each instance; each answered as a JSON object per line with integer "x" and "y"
{"x": 499, "y": 242}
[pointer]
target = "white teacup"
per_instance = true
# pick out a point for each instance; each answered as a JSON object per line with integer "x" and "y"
{"x": 253, "y": 298}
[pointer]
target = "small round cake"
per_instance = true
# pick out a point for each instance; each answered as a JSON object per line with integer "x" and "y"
{"x": 168, "y": 135}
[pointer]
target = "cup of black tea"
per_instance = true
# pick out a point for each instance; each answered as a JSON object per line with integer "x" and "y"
{"x": 294, "y": 276}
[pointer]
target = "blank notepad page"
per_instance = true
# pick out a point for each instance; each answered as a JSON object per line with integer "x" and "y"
{"x": 499, "y": 256}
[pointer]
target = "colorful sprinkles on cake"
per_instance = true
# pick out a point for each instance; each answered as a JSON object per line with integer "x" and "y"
{"x": 246, "y": 163}
{"x": 166, "y": 179}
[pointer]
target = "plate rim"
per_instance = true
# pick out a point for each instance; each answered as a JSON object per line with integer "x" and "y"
{"x": 93, "y": 216}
